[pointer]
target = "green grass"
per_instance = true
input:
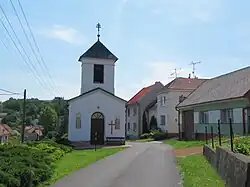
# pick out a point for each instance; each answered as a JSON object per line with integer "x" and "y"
{"x": 78, "y": 159}
{"x": 177, "y": 144}
{"x": 198, "y": 172}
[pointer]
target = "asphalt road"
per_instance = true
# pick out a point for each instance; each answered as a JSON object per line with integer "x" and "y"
{"x": 142, "y": 165}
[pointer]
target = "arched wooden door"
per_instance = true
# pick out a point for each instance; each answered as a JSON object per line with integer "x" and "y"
{"x": 97, "y": 127}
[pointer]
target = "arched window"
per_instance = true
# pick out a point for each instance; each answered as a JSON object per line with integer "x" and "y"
{"x": 97, "y": 115}
{"x": 78, "y": 121}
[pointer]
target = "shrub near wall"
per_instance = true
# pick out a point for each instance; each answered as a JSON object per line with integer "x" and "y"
{"x": 28, "y": 165}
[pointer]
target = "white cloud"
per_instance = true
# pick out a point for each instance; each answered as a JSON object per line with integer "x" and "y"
{"x": 67, "y": 34}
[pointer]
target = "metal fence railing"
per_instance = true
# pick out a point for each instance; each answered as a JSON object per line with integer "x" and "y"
{"x": 217, "y": 132}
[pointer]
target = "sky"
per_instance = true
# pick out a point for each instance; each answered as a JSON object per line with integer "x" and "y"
{"x": 150, "y": 37}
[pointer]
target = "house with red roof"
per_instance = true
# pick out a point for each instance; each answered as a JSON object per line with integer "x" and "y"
{"x": 5, "y": 133}
{"x": 135, "y": 109}
{"x": 168, "y": 98}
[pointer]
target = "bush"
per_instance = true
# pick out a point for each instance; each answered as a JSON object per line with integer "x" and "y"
{"x": 146, "y": 136}
{"x": 242, "y": 145}
{"x": 159, "y": 135}
{"x": 29, "y": 164}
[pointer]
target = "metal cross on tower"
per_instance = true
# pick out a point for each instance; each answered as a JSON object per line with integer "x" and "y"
{"x": 193, "y": 64}
{"x": 98, "y": 26}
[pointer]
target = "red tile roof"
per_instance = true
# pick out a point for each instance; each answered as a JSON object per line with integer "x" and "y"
{"x": 137, "y": 96}
{"x": 185, "y": 83}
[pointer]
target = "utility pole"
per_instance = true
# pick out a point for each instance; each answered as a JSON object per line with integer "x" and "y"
{"x": 24, "y": 115}
{"x": 175, "y": 72}
{"x": 193, "y": 64}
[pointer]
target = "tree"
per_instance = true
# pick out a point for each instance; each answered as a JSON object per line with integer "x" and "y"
{"x": 144, "y": 123}
{"x": 13, "y": 104}
{"x": 153, "y": 123}
{"x": 48, "y": 119}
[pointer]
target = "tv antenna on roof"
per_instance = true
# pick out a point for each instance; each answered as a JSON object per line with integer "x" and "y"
{"x": 193, "y": 64}
{"x": 175, "y": 72}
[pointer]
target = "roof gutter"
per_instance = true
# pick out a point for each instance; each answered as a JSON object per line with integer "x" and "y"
{"x": 209, "y": 102}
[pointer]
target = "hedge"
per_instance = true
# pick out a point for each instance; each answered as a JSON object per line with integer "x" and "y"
{"x": 29, "y": 164}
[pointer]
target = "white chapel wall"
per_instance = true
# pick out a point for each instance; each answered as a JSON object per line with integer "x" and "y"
{"x": 87, "y": 105}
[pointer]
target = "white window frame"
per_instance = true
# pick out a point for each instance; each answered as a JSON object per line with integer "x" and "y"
{"x": 134, "y": 111}
{"x": 129, "y": 127}
{"x": 128, "y": 112}
{"x": 161, "y": 120}
{"x": 204, "y": 117}
{"x": 226, "y": 114}
{"x": 134, "y": 127}
{"x": 78, "y": 121}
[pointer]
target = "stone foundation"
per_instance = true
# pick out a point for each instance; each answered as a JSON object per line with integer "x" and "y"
{"x": 234, "y": 168}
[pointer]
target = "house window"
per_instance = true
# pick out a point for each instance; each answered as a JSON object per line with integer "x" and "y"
{"x": 163, "y": 100}
{"x": 98, "y": 73}
{"x": 128, "y": 112}
{"x": 225, "y": 115}
{"x": 134, "y": 111}
{"x": 203, "y": 117}
{"x": 163, "y": 119}
{"x": 128, "y": 126}
{"x": 78, "y": 121}
{"x": 134, "y": 127}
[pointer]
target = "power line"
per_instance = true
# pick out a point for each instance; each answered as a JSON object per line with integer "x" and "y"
{"x": 37, "y": 77}
{"x": 9, "y": 92}
{"x": 24, "y": 68}
{"x": 42, "y": 65}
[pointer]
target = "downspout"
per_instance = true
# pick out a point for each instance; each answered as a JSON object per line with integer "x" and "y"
{"x": 179, "y": 124}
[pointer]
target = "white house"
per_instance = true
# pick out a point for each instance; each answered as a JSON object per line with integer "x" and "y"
{"x": 136, "y": 110}
{"x": 97, "y": 114}
{"x": 167, "y": 100}
{"x": 221, "y": 98}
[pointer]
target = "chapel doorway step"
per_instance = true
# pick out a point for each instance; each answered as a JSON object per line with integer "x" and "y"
{"x": 80, "y": 144}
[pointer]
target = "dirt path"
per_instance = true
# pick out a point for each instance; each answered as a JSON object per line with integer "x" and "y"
{"x": 188, "y": 151}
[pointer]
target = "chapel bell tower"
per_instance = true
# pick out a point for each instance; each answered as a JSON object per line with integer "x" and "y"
{"x": 98, "y": 67}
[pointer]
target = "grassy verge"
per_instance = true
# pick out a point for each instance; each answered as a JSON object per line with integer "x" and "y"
{"x": 78, "y": 159}
{"x": 177, "y": 144}
{"x": 197, "y": 172}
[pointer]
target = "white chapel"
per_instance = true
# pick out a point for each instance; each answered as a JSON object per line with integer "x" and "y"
{"x": 97, "y": 114}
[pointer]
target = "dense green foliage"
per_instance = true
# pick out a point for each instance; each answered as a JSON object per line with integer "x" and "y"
{"x": 45, "y": 112}
{"x": 29, "y": 164}
{"x": 242, "y": 145}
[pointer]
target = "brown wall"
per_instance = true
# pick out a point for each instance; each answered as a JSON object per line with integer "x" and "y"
{"x": 188, "y": 125}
